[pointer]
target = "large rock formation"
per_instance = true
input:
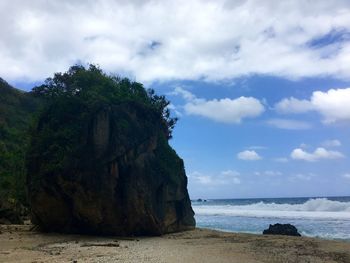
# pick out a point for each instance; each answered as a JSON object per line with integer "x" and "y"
{"x": 124, "y": 179}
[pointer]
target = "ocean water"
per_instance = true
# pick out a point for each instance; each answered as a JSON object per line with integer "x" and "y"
{"x": 323, "y": 217}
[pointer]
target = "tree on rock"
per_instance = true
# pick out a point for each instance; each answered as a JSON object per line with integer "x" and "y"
{"x": 99, "y": 160}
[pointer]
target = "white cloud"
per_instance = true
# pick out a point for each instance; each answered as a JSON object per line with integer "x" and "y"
{"x": 222, "y": 178}
{"x": 173, "y": 108}
{"x": 165, "y": 40}
{"x": 333, "y": 105}
{"x": 294, "y": 105}
{"x": 200, "y": 178}
{"x": 347, "y": 176}
{"x": 331, "y": 143}
{"x": 318, "y": 154}
{"x": 187, "y": 95}
{"x": 226, "y": 110}
{"x": 249, "y": 156}
{"x": 221, "y": 110}
{"x": 289, "y": 124}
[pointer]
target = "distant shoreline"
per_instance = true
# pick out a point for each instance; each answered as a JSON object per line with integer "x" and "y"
{"x": 257, "y": 198}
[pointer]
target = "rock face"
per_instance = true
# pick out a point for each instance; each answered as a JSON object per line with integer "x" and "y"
{"x": 127, "y": 180}
{"x": 8, "y": 215}
{"x": 282, "y": 229}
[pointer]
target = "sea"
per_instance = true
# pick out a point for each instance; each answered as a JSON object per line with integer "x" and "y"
{"x": 322, "y": 217}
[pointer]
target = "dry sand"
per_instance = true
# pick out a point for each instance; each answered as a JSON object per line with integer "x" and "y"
{"x": 19, "y": 244}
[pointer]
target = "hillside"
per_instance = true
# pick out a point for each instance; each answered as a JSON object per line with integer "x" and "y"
{"x": 17, "y": 110}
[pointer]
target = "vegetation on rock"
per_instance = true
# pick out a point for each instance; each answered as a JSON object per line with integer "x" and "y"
{"x": 99, "y": 160}
{"x": 86, "y": 135}
{"x": 17, "y": 110}
{"x": 91, "y": 89}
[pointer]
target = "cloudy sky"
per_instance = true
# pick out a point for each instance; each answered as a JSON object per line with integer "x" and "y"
{"x": 262, "y": 88}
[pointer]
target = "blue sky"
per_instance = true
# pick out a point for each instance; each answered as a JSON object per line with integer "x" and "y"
{"x": 210, "y": 148}
{"x": 262, "y": 90}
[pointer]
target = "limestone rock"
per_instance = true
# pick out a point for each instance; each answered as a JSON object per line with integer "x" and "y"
{"x": 127, "y": 180}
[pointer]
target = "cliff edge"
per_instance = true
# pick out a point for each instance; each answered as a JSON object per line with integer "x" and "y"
{"x": 103, "y": 165}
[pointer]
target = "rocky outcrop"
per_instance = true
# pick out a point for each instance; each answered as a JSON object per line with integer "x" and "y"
{"x": 9, "y": 214}
{"x": 126, "y": 180}
{"x": 282, "y": 229}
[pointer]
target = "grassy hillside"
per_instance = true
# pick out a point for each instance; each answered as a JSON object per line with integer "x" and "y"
{"x": 17, "y": 110}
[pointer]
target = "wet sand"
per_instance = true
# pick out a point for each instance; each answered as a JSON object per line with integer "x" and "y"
{"x": 20, "y": 244}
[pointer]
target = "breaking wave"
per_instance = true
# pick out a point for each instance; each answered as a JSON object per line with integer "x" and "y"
{"x": 313, "y": 208}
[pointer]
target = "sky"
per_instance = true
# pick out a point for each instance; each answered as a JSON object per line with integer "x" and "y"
{"x": 261, "y": 88}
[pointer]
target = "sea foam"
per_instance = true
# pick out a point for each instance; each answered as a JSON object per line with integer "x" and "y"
{"x": 313, "y": 208}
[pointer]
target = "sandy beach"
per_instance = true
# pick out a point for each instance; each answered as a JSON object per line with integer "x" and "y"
{"x": 20, "y": 244}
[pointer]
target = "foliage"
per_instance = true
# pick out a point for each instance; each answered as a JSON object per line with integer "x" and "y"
{"x": 93, "y": 89}
{"x": 16, "y": 114}
{"x": 70, "y": 98}
{"x": 74, "y": 98}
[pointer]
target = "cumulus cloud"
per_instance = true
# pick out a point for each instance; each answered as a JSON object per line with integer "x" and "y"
{"x": 226, "y": 110}
{"x": 249, "y": 155}
{"x": 331, "y": 143}
{"x": 165, "y": 40}
{"x": 333, "y": 105}
{"x": 222, "y": 178}
{"x": 288, "y": 124}
{"x": 294, "y": 105}
{"x": 221, "y": 110}
{"x": 319, "y": 154}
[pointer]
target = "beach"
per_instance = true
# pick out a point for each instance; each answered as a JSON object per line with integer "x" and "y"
{"x": 18, "y": 243}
